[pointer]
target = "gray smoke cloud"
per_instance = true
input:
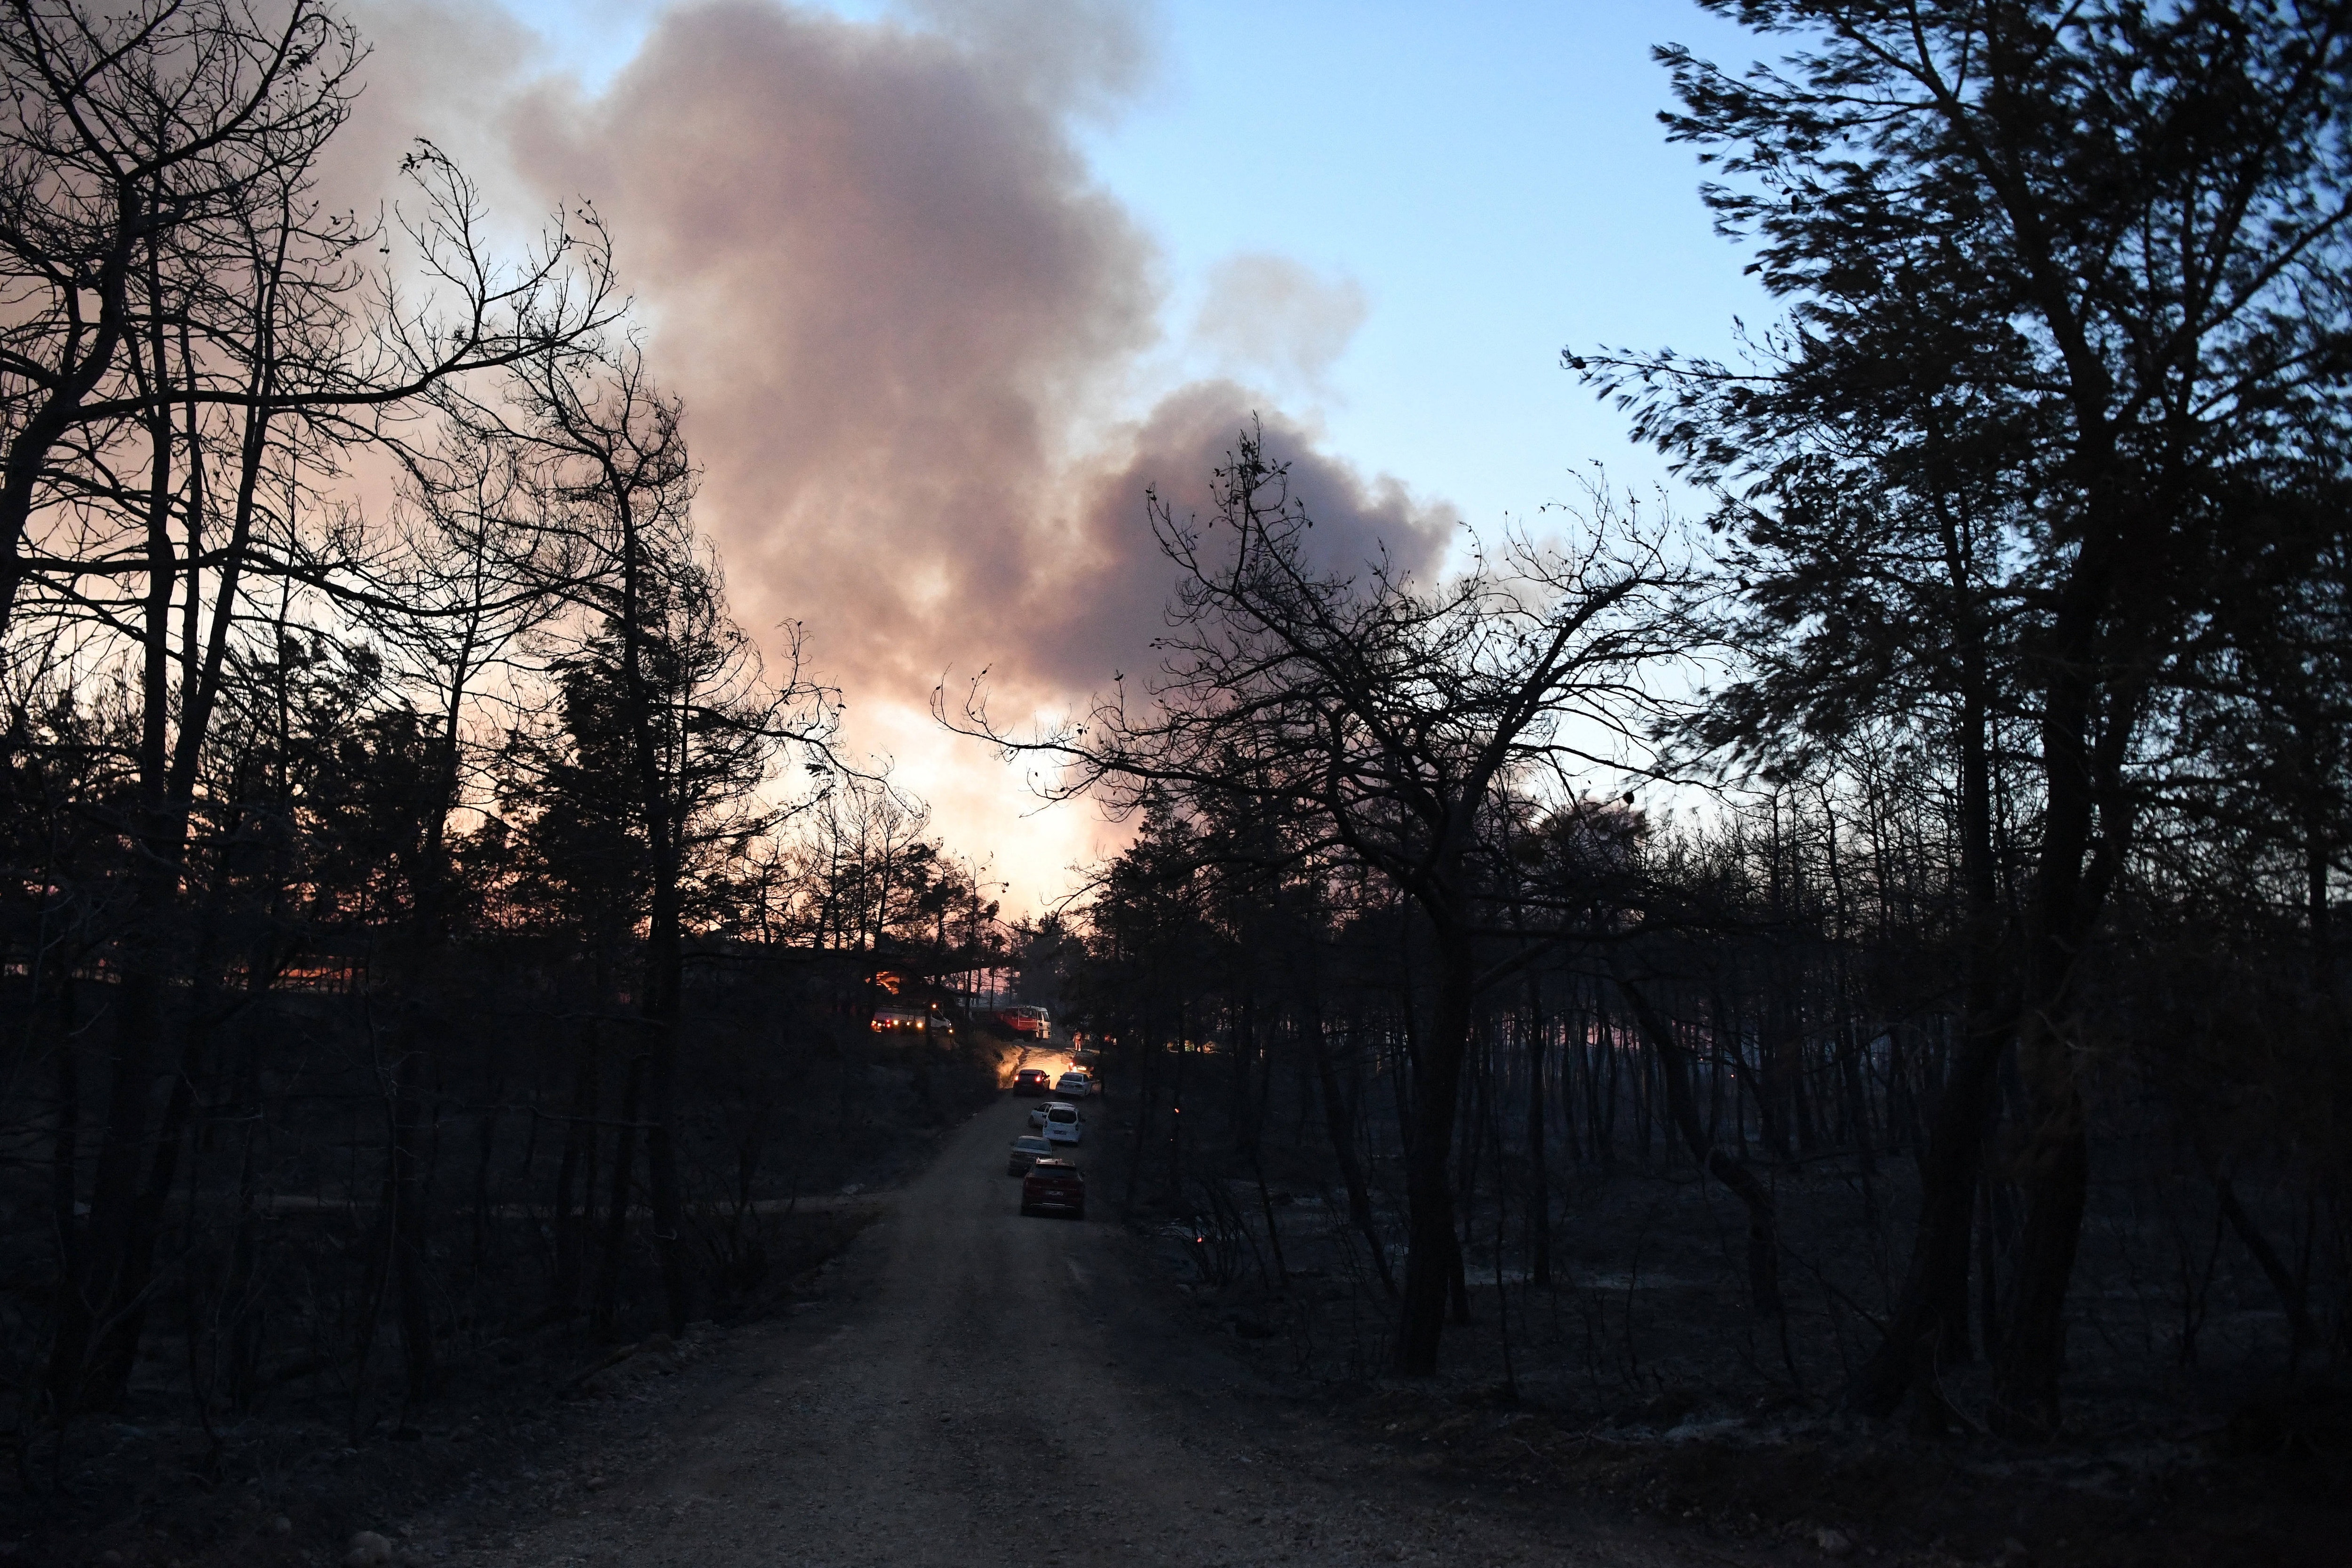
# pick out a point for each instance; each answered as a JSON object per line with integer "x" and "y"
{"x": 880, "y": 274}
{"x": 874, "y": 262}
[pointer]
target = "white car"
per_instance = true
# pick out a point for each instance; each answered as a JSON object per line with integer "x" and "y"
{"x": 1063, "y": 1124}
{"x": 1076, "y": 1085}
{"x": 1037, "y": 1113}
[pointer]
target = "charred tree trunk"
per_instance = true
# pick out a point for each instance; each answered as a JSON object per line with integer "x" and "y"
{"x": 2076, "y": 862}
{"x": 2055, "y": 1173}
{"x": 1538, "y": 1215}
{"x": 65, "y": 1155}
{"x": 116, "y": 1352}
{"x": 1336, "y": 1123}
{"x": 412, "y": 1293}
{"x": 245, "y": 1326}
{"x": 1927, "y": 1329}
{"x": 1433, "y": 1263}
{"x": 604, "y": 1316}
{"x": 1681, "y": 1108}
{"x": 662, "y": 965}
{"x": 90, "y": 1305}
{"x": 2293, "y": 1291}
{"x": 571, "y": 1232}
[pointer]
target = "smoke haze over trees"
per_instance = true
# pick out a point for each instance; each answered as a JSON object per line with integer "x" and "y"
{"x": 1892, "y": 905}
{"x": 388, "y": 776}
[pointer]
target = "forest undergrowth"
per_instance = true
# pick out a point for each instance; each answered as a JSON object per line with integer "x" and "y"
{"x": 1640, "y": 1378}
{"x": 533, "y": 1331}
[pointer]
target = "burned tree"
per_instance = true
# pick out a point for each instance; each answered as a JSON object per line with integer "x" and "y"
{"x": 1380, "y": 718}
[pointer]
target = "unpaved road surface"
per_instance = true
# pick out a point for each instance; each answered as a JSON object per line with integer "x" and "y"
{"x": 982, "y": 1388}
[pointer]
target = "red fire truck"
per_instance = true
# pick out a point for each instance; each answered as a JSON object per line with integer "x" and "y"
{"x": 1030, "y": 1022}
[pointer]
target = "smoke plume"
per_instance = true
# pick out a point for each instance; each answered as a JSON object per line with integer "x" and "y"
{"x": 873, "y": 260}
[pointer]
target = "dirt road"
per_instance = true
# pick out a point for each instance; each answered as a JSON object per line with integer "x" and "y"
{"x": 982, "y": 1388}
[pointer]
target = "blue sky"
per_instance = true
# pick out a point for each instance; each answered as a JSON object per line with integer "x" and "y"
{"x": 1494, "y": 178}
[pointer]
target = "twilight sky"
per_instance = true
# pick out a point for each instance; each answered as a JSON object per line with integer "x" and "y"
{"x": 945, "y": 285}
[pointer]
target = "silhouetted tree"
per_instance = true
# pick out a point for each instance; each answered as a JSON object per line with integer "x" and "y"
{"x": 1382, "y": 717}
{"x": 2070, "y": 289}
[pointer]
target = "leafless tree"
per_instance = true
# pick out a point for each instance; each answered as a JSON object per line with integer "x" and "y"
{"x": 1382, "y": 717}
{"x": 163, "y": 253}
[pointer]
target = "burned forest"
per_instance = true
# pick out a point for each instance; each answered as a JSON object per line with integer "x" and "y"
{"x": 432, "y": 921}
{"x": 1838, "y": 948}
{"x": 1867, "y": 947}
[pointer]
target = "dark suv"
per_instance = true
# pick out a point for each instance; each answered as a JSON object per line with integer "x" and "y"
{"x": 1053, "y": 1186}
{"x": 1031, "y": 1080}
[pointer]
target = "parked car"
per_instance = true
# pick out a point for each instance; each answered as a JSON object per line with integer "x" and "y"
{"x": 1075, "y": 1085}
{"x": 1027, "y": 1151}
{"x": 1053, "y": 1186}
{"x": 1037, "y": 1114}
{"x": 1030, "y": 1080}
{"x": 1063, "y": 1124}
